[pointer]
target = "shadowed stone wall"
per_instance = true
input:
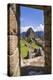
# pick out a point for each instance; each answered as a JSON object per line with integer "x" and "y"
{"x": 47, "y": 21}
{"x": 13, "y": 52}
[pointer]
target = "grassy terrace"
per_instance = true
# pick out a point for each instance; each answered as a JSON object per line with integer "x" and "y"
{"x": 35, "y": 45}
{"x": 24, "y": 47}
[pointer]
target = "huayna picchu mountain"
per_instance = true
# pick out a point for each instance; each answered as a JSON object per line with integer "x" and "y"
{"x": 30, "y": 33}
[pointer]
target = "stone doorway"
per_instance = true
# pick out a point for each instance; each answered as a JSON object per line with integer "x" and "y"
{"x": 14, "y": 56}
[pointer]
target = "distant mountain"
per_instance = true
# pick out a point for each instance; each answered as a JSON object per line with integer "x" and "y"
{"x": 23, "y": 34}
{"x": 39, "y": 33}
{"x": 31, "y": 34}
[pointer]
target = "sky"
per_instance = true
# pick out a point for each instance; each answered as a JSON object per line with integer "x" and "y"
{"x": 30, "y": 17}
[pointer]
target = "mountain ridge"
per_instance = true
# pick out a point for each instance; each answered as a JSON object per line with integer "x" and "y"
{"x": 30, "y": 32}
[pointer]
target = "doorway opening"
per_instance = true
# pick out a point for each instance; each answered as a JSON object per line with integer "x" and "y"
{"x": 32, "y": 40}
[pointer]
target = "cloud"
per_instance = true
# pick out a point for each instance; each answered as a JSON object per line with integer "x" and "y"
{"x": 36, "y": 28}
{"x": 24, "y": 29}
{"x": 40, "y": 28}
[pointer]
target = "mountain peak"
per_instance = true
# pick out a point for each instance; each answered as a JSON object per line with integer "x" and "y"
{"x": 30, "y": 29}
{"x": 30, "y": 33}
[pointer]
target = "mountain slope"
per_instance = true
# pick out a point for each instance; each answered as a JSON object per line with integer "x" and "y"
{"x": 30, "y": 33}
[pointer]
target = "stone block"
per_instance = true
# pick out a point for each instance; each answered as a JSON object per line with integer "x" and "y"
{"x": 13, "y": 44}
{"x": 13, "y": 26}
{"x": 14, "y": 61}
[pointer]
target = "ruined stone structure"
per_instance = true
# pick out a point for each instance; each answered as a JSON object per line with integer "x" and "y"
{"x": 13, "y": 52}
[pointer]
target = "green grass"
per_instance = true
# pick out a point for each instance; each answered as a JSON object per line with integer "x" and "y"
{"x": 24, "y": 49}
{"x": 34, "y": 45}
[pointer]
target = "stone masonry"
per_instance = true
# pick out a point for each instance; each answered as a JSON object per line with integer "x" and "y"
{"x": 13, "y": 52}
{"x": 47, "y": 21}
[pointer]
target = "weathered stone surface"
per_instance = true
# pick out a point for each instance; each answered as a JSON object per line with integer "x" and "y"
{"x": 47, "y": 20}
{"x": 14, "y": 62}
{"x": 13, "y": 43}
{"x": 13, "y": 27}
{"x": 13, "y": 52}
{"x": 47, "y": 17}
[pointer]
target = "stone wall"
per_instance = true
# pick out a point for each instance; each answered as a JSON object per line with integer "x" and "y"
{"x": 47, "y": 21}
{"x": 13, "y": 52}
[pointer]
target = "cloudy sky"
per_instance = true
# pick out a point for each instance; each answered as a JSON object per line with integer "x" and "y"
{"x": 30, "y": 17}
